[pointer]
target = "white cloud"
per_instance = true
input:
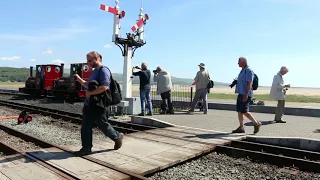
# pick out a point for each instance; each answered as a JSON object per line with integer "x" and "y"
{"x": 46, "y": 35}
{"x": 10, "y": 58}
{"x": 48, "y": 51}
{"x": 58, "y": 61}
{"x": 33, "y": 60}
{"x": 107, "y": 46}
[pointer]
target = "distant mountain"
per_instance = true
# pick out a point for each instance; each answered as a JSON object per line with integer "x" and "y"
{"x": 175, "y": 80}
{"x": 21, "y": 75}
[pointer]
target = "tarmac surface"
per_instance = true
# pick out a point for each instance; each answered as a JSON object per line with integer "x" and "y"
{"x": 226, "y": 121}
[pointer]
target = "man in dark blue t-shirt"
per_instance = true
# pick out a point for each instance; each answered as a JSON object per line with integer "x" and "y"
{"x": 144, "y": 76}
{"x": 91, "y": 113}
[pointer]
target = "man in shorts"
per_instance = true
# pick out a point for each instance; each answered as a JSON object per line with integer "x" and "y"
{"x": 245, "y": 92}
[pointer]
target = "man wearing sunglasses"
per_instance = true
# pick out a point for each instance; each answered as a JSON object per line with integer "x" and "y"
{"x": 92, "y": 114}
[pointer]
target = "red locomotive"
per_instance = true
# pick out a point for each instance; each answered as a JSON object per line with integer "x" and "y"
{"x": 42, "y": 82}
{"x": 49, "y": 80}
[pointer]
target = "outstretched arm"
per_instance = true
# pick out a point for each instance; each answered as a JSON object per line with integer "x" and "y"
{"x": 81, "y": 81}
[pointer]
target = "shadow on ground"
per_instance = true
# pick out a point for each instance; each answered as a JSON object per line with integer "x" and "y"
{"x": 214, "y": 136}
{"x": 262, "y": 122}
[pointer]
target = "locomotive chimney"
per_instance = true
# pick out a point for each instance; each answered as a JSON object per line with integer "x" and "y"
{"x": 62, "y": 66}
{"x": 31, "y": 71}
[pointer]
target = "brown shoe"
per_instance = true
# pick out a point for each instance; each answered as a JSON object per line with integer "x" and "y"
{"x": 239, "y": 130}
{"x": 257, "y": 127}
{"x": 118, "y": 143}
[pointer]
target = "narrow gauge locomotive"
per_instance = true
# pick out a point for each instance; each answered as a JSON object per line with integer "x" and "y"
{"x": 68, "y": 86}
{"x": 49, "y": 81}
{"x": 42, "y": 82}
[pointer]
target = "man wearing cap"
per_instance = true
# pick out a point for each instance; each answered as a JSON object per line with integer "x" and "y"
{"x": 201, "y": 81}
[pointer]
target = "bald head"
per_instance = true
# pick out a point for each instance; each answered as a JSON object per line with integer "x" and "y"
{"x": 242, "y": 62}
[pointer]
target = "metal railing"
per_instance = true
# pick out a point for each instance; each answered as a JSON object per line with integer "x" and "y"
{"x": 181, "y": 96}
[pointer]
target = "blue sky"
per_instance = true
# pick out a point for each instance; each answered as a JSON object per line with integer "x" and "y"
{"x": 180, "y": 34}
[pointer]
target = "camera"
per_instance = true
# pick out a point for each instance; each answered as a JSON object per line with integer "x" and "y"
{"x": 154, "y": 71}
{"x": 234, "y": 82}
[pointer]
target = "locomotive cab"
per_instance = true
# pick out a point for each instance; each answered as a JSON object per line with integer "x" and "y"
{"x": 68, "y": 86}
{"x": 42, "y": 82}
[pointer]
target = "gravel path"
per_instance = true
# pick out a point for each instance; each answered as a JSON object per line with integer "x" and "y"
{"x": 222, "y": 167}
{"x": 51, "y": 130}
{"x": 5, "y": 111}
{"x": 17, "y": 142}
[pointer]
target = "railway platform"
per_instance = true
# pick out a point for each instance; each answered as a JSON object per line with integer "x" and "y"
{"x": 294, "y": 131}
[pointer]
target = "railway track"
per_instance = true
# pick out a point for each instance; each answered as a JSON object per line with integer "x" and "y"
{"x": 12, "y": 153}
{"x": 280, "y": 156}
{"x": 125, "y": 127}
{"x": 7, "y": 149}
{"x": 12, "y": 92}
{"x": 271, "y": 154}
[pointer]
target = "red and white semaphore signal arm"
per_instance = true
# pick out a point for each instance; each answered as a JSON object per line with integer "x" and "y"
{"x": 117, "y": 16}
{"x": 139, "y": 26}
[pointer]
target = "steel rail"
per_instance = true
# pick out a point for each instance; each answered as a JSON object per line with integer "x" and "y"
{"x": 275, "y": 155}
{"x": 45, "y": 144}
{"x": 74, "y": 117}
{"x": 273, "y": 149}
{"x": 9, "y": 150}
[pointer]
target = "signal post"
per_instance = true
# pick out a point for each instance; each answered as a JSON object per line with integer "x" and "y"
{"x": 128, "y": 46}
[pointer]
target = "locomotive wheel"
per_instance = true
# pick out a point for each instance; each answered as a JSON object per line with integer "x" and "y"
{"x": 71, "y": 98}
{"x": 58, "y": 96}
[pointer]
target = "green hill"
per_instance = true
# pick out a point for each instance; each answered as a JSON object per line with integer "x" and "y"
{"x": 21, "y": 74}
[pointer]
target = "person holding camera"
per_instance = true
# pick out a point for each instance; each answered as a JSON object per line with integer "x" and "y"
{"x": 245, "y": 91}
{"x": 201, "y": 81}
{"x": 278, "y": 92}
{"x": 145, "y": 87}
{"x": 164, "y": 86}
{"x": 94, "y": 111}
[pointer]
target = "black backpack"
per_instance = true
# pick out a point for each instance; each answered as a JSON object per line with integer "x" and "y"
{"x": 255, "y": 83}
{"x": 113, "y": 94}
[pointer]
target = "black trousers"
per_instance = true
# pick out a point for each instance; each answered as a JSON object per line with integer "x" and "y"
{"x": 99, "y": 116}
{"x": 166, "y": 101}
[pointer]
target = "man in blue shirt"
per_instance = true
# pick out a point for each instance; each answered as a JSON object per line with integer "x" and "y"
{"x": 145, "y": 87}
{"x": 93, "y": 114}
{"x": 244, "y": 91}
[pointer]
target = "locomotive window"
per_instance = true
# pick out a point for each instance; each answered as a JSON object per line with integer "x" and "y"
{"x": 57, "y": 69}
{"x": 39, "y": 69}
{"x": 48, "y": 68}
{"x": 86, "y": 68}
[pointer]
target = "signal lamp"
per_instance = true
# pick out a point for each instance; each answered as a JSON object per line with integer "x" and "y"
{"x": 24, "y": 117}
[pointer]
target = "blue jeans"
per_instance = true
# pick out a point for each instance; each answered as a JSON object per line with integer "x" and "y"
{"x": 145, "y": 94}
